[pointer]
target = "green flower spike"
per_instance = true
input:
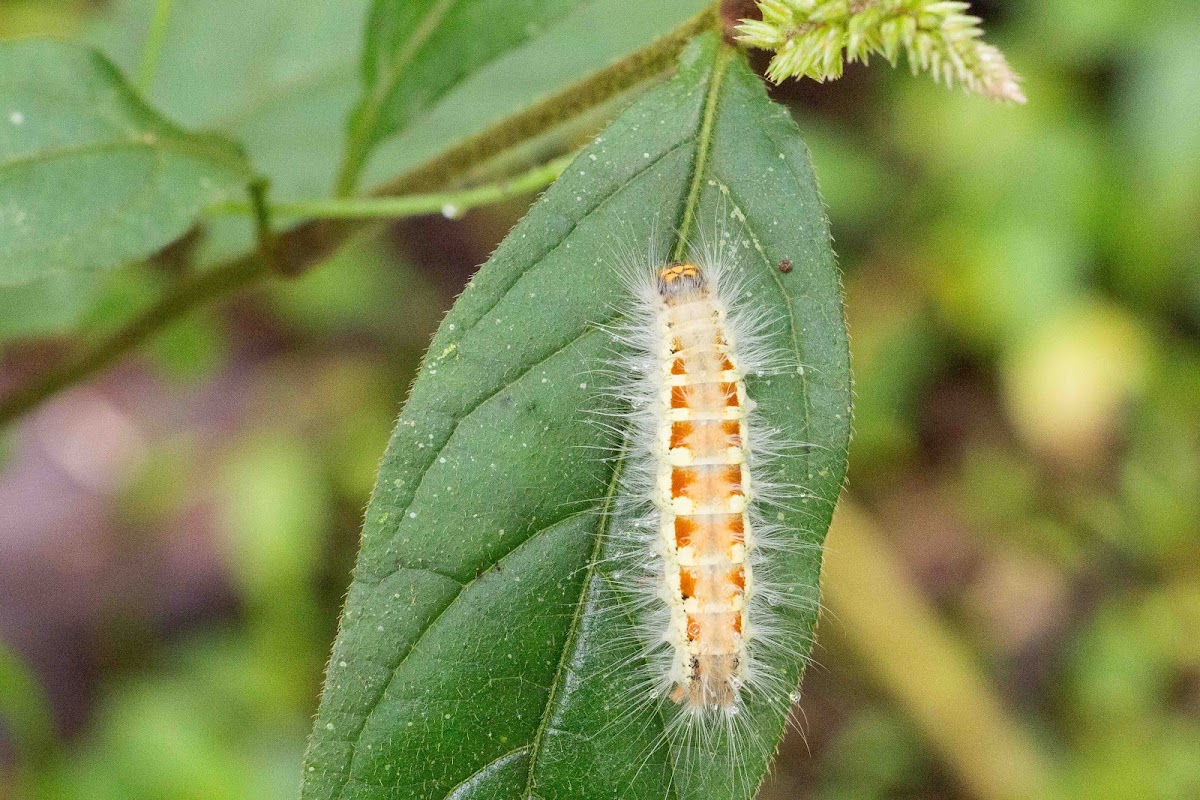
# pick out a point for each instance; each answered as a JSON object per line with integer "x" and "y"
{"x": 813, "y": 38}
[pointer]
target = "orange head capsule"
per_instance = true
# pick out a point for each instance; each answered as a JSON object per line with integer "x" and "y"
{"x": 679, "y": 279}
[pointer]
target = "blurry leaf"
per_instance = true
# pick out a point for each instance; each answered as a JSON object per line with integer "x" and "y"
{"x": 277, "y": 75}
{"x": 415, "y": 52}
{"x": 24, "y": 708}
{"x": 90, "y": 177}
{"x": 276, "y": 506}
{"x": 281, "y": 76}
{"x": 591, "y": 37}
{"x": 475, "y": 585}
{"x": 52, "y": 304}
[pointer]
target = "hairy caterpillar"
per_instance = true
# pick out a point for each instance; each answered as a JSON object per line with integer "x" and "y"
{"x": 697, "y": 534}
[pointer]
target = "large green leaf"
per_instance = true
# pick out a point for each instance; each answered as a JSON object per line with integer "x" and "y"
{"x": 416, "y": 52}
{"x": 90, "y": 177}
{"x": 479, "y": 645}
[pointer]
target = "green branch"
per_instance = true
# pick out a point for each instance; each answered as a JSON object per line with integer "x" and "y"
{"x": 197, "y": 290}
{"x": 451, "y": 204}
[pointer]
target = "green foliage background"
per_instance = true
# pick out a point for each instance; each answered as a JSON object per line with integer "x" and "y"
{"x": 1024, "y": 301}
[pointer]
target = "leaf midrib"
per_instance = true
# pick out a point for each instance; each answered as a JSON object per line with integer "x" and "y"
{"x": 602, "y": 527}
{"x": 703, "y": 142}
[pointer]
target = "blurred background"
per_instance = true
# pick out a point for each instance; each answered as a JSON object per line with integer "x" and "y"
{"x": 1023, "y": 513}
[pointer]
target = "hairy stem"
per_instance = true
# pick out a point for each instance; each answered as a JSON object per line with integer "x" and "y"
{"x": 647, "y": 64}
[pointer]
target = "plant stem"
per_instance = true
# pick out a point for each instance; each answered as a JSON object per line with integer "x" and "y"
{"x": 449, "y": 203}
{"x": 311, "y": 243}
{"x": 195, "y": 291}
{"x": 260, "y": 209}
{"x": 927, "y": 671}
{"x": 154, "y": 44}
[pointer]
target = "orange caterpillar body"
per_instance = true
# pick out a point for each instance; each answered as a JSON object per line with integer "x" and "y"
{"x": 703, "y": 486}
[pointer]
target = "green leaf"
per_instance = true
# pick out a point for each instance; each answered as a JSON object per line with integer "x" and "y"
{"x": 477, "y": 653}
{"x": 279, "y": 76}
{"x": 591, "y": 37}
{"x": 50, "y": 305}
{"x": 416, "y": 52}
{"x": 447, "y": 666}
{"x": 90, "y": 177}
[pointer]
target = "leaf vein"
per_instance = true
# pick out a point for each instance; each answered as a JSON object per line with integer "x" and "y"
{"x": 374, "y": 704}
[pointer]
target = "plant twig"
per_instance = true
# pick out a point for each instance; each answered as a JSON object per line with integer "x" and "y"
{"x": 259, "y": 207}
{"x": 153, "y": 46}
{"x": 451, "y": 204}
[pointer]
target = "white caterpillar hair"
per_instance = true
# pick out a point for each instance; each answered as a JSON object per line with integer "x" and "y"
{"x": 717, "y": 666}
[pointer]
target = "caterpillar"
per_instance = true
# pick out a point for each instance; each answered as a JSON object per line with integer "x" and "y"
{"x": 697, "y": 536}
{"x": 702, "y": 488}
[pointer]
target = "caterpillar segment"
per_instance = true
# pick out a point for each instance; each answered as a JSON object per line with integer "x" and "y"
{"x": 703, "y": 491}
